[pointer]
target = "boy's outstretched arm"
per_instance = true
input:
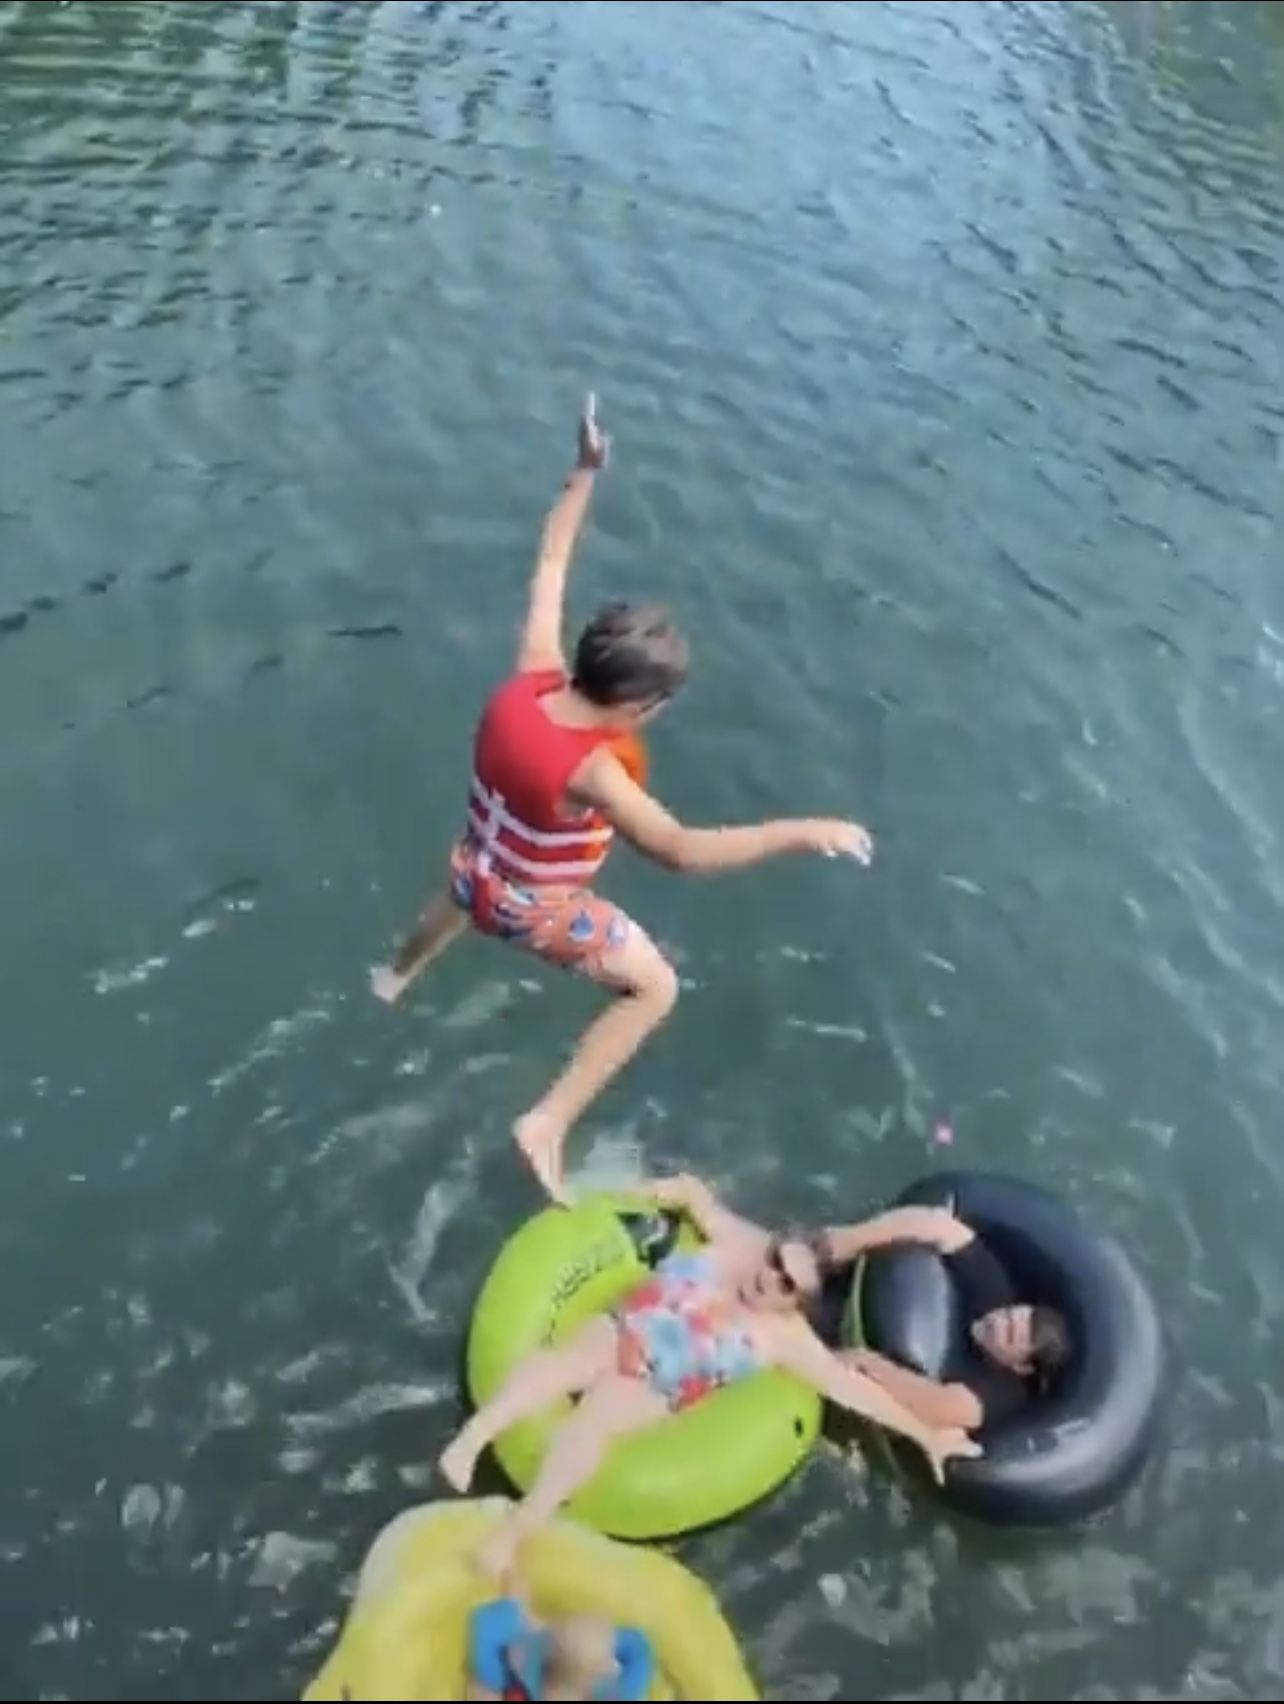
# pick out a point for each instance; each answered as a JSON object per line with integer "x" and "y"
{"x": 602, "y": 782}
{"x": 541, "y": 641}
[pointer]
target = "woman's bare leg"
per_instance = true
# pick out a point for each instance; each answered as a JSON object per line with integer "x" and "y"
{"x": 610, "y": 1409}
{"x": 543, "y": 1378}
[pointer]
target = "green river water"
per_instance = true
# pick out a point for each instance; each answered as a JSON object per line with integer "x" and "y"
{"x": 943, "y": 345}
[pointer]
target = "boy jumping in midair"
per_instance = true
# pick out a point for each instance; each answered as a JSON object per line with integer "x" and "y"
{"x": 556, "y": 773}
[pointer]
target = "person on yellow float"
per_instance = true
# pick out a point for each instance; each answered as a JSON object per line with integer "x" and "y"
{"x": 514, "y": 1654}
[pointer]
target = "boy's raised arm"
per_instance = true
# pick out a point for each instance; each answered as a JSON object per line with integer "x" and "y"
{"x": 541, "y": 641}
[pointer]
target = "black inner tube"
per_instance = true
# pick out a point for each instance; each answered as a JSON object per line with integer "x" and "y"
{"x": 1073, "y": 1448}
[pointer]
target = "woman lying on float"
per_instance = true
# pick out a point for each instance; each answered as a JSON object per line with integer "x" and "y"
{"x": 706, "y": 1318}
{"x": 985, "y": 1301}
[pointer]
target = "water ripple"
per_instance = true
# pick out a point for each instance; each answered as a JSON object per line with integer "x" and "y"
{"x": 944, "y": 346}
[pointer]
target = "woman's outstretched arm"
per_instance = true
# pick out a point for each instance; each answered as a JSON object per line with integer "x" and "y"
{"x": 800, "y": 1351}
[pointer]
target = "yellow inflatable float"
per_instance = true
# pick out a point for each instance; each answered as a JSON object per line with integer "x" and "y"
{"x": 405, "y": 1636}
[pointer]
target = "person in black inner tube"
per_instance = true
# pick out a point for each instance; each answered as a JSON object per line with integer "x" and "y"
{"x": 1014, "y": 1350}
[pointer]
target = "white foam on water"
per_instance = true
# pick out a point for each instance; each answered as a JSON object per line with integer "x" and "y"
{"x": 274, "y": 1041}
{"x": 283, "y": 1557}
{"x": 116, "y": 979}
{"x": 409, "y": 1275}
{"x": 616, "y": 1161}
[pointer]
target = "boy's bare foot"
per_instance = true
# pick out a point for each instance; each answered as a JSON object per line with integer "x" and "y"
{"x": 540, "y": 1136}
{"x": 386, "y": 985}
{"x": 457, "y": 1463}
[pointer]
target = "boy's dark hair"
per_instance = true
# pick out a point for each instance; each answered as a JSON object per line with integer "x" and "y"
{"x": 1049, "y": 1342}
{"x": 629, "y": 654}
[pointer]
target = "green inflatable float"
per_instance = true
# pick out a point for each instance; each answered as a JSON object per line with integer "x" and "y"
{"x": 692, "y": 1470}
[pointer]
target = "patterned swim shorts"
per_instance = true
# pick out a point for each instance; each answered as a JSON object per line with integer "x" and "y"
{"x": 571, "y": 927}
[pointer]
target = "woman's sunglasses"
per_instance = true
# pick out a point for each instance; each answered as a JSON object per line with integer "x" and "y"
{"x": 780, "y": 1272}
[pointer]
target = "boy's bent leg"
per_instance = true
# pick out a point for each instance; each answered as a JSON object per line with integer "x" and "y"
{"x": 622, "y": 957}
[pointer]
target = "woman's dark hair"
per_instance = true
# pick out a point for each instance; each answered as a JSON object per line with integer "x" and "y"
{"x": 821, "y": 1245}
{"x": 1049, "y": 1342}
{"x": 629, "y": 654}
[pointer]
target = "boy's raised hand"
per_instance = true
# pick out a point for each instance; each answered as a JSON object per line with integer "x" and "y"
{"x": 594, "y": 445}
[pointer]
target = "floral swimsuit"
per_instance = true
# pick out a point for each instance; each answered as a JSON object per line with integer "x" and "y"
{"x": 677, "y": 1333}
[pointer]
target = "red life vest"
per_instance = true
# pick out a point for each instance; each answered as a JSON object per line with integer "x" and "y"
{"x": 522, "y": 765}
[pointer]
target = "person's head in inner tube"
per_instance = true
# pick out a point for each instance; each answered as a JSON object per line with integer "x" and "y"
{"x": 575, "y": 1659}
{"x": 1031, "y": 1341}
{"x": 629, "y": 662}
{"x": 788, "y": 1278}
